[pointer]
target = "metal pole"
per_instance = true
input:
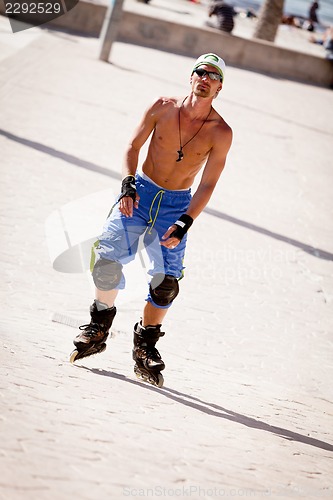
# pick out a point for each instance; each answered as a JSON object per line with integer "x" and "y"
{"x": 110, "y": 28}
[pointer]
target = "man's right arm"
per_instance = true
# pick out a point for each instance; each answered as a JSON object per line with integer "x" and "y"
{"x": 130, "y": 163}
{"x": 140, "y": 136}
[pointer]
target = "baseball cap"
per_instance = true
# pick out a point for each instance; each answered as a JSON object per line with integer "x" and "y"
{"x": 211, "y": 60}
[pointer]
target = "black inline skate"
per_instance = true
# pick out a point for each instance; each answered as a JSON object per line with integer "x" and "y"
{"x": 93, "y": 336}
{"x": 148, "y": 361}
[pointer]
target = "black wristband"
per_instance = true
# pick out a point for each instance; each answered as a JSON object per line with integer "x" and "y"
{"x": 183, "y": 225}
{"x": 128, "y": 187}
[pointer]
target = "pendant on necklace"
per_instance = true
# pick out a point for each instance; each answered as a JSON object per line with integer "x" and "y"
{"x": 180, "y": 155}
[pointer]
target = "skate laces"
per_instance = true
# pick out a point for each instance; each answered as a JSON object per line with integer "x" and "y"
{"x": 152, "y": 352}
{"x": 147, "y": 351}
{"x": 91, "y": 329}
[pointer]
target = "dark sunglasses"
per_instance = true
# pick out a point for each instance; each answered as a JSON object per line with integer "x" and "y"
{"x": 211, "y": 74}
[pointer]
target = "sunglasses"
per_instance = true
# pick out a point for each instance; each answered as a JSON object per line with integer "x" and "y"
{"x": 211, "y": 74}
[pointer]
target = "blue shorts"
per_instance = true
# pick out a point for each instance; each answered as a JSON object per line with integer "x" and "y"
{"x": 158, "y": 209}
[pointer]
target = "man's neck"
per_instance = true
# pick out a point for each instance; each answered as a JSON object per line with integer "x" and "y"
{"x": 196, "y": 106}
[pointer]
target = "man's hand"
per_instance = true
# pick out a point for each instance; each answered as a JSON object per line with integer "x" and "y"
{"x": 129, "y": 196}
{"x": 177, "y": 231}
{"x": 126, "y": 205}
{"x": 167, "y": 241}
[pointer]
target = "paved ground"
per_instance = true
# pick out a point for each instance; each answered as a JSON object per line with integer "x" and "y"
{"x": 246, "y": 410}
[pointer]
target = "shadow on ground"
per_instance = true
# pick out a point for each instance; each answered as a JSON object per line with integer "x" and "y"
{"x": 217, "y": 411}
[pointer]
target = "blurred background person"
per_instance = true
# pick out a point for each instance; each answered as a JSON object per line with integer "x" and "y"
{"x": 224, "y": 13}
{"x": 313, "y": 18}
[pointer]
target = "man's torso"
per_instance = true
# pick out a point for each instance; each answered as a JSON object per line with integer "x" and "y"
{"x": 161, "y": 162}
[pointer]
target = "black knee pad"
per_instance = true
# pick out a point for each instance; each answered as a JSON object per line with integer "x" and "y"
{"x": 107, "y": 274}
{"x": 163, "y": 289}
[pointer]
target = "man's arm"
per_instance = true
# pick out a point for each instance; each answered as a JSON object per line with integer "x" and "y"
{"x": 131, "y": 157}
{"x": 211, "y": 174}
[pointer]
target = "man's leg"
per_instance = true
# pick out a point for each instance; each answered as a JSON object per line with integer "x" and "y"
{"x": 166, "y": 270}
{"x": 163, "y": 290}
{"x": 106, "y": 297}
{"x": 152, "y": 315}
{"x": 148, "y": 361}
{"x": 107, "y": 275}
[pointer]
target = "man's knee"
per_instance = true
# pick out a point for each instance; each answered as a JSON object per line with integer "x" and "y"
{"x": 163, "y": 289}
{"x": 107, "y": 274}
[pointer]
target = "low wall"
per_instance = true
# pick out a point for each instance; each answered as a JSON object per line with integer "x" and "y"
{"x": 86, "y": 18}
{"x": 257, "y": 55}
{"x": 252, "y": 54}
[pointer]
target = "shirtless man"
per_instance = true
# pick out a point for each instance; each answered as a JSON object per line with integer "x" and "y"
{"x": 157, "y": 202}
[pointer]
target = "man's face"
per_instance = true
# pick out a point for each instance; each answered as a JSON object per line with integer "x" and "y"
{"x": 203, "y": 85}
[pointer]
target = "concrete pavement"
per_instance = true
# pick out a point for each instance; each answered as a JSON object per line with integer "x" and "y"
{"x": 246, "y": 410}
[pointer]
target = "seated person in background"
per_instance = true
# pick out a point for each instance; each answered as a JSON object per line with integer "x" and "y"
{"x": 326, "y": 40}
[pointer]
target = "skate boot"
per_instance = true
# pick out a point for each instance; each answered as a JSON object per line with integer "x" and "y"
{"x": 92, "y": 338}
{"x": 148, "y": 361}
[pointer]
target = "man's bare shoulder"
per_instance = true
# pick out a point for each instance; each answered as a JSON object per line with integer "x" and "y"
{"x": 222, "y": 132}
{"x": 162, "y": 104}
{"x": 220, "y": 123}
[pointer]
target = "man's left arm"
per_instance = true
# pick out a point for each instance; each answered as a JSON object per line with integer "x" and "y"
{"x": 211, "y": 174}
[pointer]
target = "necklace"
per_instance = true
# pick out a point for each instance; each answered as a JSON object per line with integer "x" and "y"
{"x": 182, "y": 146}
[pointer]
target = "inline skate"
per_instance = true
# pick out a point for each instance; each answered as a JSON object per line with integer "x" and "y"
{"x": 148, "y": 361}
{"x": 92, "y": 338}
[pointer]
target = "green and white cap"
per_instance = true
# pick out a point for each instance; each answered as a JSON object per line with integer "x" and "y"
{"x": 211, "y": 60}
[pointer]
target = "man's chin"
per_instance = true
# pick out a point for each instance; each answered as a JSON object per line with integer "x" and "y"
{"x": 201, "y": 92}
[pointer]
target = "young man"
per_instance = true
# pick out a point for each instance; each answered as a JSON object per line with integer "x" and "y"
{"x": 157, "y": 202}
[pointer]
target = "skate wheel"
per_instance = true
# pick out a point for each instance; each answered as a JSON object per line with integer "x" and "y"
{"x": 95, "y": 349}
{"x": 156, "y": 380}
{"x": 160, "y": 381}
{"x": 102, "y": 349}
{"x": 73, "y": 356}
